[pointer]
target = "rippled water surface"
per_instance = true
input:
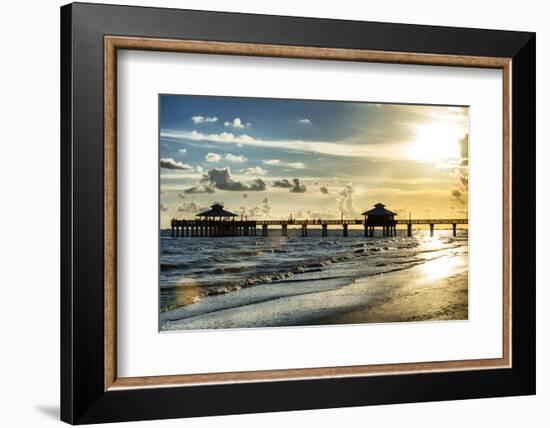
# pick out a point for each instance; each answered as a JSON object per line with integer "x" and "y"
{"x": 192, "y": 269}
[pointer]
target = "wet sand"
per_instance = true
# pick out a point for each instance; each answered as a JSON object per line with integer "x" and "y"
{"x": 422, "y": 293}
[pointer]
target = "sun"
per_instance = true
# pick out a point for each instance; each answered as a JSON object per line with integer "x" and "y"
{"x": 435, "y": 143}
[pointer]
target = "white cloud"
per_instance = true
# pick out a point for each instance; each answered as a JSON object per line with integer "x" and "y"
{"x": 254, "y": 170}
{"x": 182, "y": 151}
{"x": 261, "y": 210}
{"x": 335, "y": 148}
{"x": 212, "y": 157}
{"x": 235, "y": 158}
{"x": 237, "y": 123}
{"x": 346, "y": 201}
{"x": 169, "y": 163}
{"x": 203, "y": 119}
{"x": 305, "y": 120}
{"x": 295, "y": 165}
{"x": 198, "y": 168}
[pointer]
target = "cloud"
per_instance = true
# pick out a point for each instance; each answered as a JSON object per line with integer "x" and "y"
{"x": 224, "y": 137}
{"x": 254, "y": 170}
{"x": 212, "y": 157}
{"x": 295, "y": 185}
{"x": 305, "y": 121}
{"x": 182, "y": 151}
{"x": 200, "y": 188}
{"x": 234, "y": 158}
{"x": 261, "y": 210}
{"x": 204, "y": 119}
{"x": 284, "y": 183}
{"x": 346, "y": 201}
{"x": 169, "y": 163}
{"x": 220, "y": 178}
{"x": 463, "y": 143}
{"x": 324, "y": 213}
{"x": 297, "y": 165}
{"x": 191, "y": 207}
{"x": 457, "y": 196}
{"x": 198, "y": 168}
{"x": 460, "y": 194}
{"x": 277, "y": 162}
{"x": 298, "y": 187}
{"x": 236, "y": 123}
{"x": 382, "y": 150}
{"x": 163, "y": 207}
{"x": 324, "y": 190}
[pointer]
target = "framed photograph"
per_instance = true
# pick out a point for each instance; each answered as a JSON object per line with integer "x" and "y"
{"x": 267, "y": 213}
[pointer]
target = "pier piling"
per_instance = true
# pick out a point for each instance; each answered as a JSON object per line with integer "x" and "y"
{"x": 454, "y": 230}
{"x": 324, "y": 230}
{"x": 345, "y": 230}
{"x": 431, "y": 229}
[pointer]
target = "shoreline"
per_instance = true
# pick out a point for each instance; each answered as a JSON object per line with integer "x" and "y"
{"x": 436, "y": 290}
{"x": 409, "y": 295}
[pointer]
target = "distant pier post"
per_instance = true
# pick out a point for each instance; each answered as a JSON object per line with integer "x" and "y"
{"x": 431, "y": 229}
{"x": 409, "y": 229}
{"x": 345, "y": 231}
{"x": 304, "y": 230}
{"x": 324, "y": 230}
{"x": 264, "y": 229}
{"x": 367, "y": 228}
{"x": 284, "y": 230}
{"x": 173, "y": 231}
{"x": 454, "y": 230}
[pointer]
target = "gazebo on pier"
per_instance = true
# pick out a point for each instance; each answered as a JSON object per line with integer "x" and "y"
{"x": 215, "y": 210}
{"x": 212, "y": 223}
{"x": 379, "y": 216}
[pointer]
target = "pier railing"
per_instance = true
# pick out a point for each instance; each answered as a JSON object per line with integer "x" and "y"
{"x": 219, "y": 228}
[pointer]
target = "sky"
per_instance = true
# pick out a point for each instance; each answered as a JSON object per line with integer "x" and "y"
{"x": 270, "y": 158}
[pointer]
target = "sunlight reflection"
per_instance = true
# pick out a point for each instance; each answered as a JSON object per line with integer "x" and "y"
{"x": 439, "y": 268}
{"x": 188, "y": 291}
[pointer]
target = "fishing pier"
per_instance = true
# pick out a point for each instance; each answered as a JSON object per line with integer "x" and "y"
{"x": 218, "y": 222}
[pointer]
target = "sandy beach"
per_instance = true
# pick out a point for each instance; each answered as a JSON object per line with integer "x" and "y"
{"x": 414, "y": 295}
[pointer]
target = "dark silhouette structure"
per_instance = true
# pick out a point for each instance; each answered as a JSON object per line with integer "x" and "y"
{"x": 216, "y": 211}
{"x": 217, "y": 222}
{"x": 379, "y": 216}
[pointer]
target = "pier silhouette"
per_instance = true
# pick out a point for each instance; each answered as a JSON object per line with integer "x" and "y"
{"x": 218, "y": 222}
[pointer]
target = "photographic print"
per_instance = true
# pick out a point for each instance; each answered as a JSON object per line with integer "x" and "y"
{"x": 287, "y": 212}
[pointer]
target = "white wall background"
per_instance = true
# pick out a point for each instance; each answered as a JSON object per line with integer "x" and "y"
{"x": 29, "y": 184}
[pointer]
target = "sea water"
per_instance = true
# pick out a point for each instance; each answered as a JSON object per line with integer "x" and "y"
{"x": 203, "y": 278}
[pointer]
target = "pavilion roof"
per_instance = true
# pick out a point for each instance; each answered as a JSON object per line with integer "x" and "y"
{"x": 216, "y": 211}
{"x": 379, "y": 210}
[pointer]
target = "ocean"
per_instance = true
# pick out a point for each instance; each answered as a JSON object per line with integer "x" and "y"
{"x": 238, "y": 282}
